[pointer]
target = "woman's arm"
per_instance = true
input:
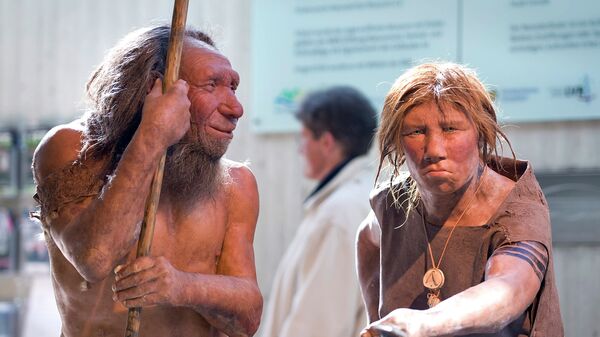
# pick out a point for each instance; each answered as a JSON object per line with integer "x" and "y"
{"x": 512, "y": 280}
{"x": 368, "y": 261}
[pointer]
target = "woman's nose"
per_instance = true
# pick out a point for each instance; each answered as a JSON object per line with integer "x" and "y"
{"x": 435, "y": 147}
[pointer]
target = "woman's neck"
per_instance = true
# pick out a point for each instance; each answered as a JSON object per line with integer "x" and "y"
{"x": 440, "y": 209}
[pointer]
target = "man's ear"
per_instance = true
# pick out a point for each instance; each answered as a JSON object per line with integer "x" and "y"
{"x": 328, "y": 140}
{"x": 331, "y": 147}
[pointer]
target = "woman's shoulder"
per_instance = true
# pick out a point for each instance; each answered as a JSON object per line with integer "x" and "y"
{"x": 384, "y": 186}
{"x": 524, "y": 215}
{"x": 390, "y": 194}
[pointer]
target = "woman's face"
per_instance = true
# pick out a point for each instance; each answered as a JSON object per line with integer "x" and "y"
{"x": 441, "y": 148}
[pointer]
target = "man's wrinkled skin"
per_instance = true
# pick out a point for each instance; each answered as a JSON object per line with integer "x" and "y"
{"x": 200, "y": 279}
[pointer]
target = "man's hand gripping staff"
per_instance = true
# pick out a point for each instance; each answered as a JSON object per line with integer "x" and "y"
{"x": 171, "y": 76}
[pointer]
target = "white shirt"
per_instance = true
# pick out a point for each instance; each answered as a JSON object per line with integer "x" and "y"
{"x": 316, "y": 291}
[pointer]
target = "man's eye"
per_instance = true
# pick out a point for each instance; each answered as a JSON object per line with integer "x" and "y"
{"x": 450, "y": 129}
{"x": 209, "y": 85}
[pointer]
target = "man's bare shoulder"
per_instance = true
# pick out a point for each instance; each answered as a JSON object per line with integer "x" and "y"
{"x": 240, "y": 175}
{"x": 241, "y": 186}
{"x": 59, "y": 147}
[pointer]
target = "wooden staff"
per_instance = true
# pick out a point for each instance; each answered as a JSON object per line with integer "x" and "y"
{"x": 171, "y": 75}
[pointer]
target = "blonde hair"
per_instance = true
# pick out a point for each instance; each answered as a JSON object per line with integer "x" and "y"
{"x": 445, "y": 84}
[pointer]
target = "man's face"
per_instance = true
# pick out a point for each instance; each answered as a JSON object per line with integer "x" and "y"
{"x": 215, "y": 109}
{"x": 314, "y": 155}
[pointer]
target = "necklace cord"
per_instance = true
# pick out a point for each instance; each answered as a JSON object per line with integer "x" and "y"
{"x": 453, "y": 226}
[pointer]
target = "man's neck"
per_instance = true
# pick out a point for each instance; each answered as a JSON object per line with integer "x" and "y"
{"x": 332, "y": 173}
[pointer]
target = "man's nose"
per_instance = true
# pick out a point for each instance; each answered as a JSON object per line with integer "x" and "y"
{"x": 230, "y": 105}
{"x": 435, "y": 147}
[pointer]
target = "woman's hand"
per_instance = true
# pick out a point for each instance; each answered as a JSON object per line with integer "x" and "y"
{"x": 398, "y": 323}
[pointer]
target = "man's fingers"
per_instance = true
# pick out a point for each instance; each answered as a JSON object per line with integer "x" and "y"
{"x": 142, "y": 301}
{"x": 134, "y": 292}
{"x": 138, "y": 265}
{"x": 135, "y": 279}
{"x": 180, "y": 85}
{"x": 179, "y": 88}
{"x": 156, "y": 88}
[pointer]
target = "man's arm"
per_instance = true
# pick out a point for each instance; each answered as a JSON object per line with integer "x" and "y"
{"x": 94, "y": 234}
{"x": 513, "y": 278}
{"x": 368, "y": 261}
{"x": 230, "y": 300}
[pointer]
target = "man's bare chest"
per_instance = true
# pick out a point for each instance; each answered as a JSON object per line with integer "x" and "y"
{"x": 192, "y": 241}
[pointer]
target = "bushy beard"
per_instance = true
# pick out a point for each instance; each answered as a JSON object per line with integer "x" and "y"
{"x": 193, "y": 170}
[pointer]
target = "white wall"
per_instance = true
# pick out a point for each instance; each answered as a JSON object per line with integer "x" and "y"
{"x": 558, "y": 146}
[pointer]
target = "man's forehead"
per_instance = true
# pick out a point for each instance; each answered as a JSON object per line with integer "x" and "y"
{"x": 191, "y": 42}
{"x": 200, "y": 59}
{"x": 195, "y": 49}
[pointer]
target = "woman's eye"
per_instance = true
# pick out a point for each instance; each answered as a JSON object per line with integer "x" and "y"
{"x": 450, "y": 129}
{"x": 414, "y": 132}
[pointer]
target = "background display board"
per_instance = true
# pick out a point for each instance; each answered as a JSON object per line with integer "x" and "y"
{"x": 540, "y": 58}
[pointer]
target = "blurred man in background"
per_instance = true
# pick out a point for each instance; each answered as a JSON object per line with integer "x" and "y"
{"x": 316, "y": 292}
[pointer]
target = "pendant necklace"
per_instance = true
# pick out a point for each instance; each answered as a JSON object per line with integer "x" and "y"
{"x": 434, "y": 277}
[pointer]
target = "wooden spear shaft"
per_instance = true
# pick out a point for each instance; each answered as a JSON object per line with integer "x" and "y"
{"x": 147, "y": 229}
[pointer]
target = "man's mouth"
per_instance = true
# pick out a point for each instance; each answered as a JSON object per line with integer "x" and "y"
{"x": 222, "y": 131}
